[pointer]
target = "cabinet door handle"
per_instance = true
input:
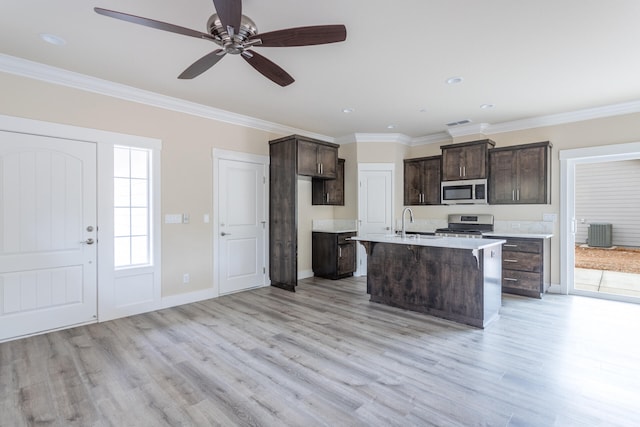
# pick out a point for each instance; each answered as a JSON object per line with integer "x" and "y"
{"x": 460, "y": 171}
{"x": 518, "y": 194}
{"x": 510, "y": 260}
{"x": 513, "y": 194}
{"x": 506, "y": 245}
{"x": 464, "y": 171}
{"x": 339, "y": 251}
{"x": 321, "y": 169}
{"x": 327, "y": 197}
{"x": 509, "y": 279}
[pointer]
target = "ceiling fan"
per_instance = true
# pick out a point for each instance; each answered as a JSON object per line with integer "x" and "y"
{"x": 236, "y": 34}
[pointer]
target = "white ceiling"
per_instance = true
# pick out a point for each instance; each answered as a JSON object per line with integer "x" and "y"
{"x": 527, "y": 58}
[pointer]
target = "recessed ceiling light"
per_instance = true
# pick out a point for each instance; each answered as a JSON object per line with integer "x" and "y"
{"x": 53, "y": 39}
{"x": 348, "y": 110}
{"x": 487, "y": 106}
{"x": 454, "y": 80}
{"x": 391, "y": 126}
{"x": 422, "y": 110}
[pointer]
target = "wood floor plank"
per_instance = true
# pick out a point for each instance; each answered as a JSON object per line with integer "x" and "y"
{"x": 326, "y": 356}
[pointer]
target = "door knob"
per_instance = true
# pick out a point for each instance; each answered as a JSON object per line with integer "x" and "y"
{"x": 89, "y": 241}
{"x": 225, "y": 234}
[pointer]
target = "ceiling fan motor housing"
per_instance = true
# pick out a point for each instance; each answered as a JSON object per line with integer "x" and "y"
{"x": 238, "y": 43}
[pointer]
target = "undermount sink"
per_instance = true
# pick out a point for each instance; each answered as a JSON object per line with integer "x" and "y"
{"x": 413, "y": 236}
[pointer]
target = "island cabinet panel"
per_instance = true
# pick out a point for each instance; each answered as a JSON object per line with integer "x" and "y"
{"x": 466, "y": 160}
{"x": 526, "y": 266}
{"x": 329, "y": 191}
{"x": 333, "y": 255}
{"x": 456, "y": 284}
{"x": 520, "y": 174}
{"x": 422, "y": 181}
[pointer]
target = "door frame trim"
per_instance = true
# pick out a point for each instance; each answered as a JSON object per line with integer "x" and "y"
{"x": 221, "y": 154}
{"x": 568, "y": 161}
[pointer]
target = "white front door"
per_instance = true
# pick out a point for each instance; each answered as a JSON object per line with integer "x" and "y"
{"x": 241, "y": 223}
{"x": 375, "y": 205}
{"x": 47, "y": 233}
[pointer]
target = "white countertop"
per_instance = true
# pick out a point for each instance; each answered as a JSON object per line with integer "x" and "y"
{"x": 433, "y": 241}
{"x": 335, "y": 230}
{"x": 521, "y": 235}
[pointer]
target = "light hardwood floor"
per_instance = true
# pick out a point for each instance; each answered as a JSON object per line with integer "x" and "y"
{"x": 327, "y": 356}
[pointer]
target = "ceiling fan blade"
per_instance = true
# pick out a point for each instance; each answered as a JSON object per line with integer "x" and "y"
{"x": 303, "y": 36}
{"x": 230, "y": 13}
{"x": 152, "y": 23}
{"x": 202, "y": 64}
{"x": 267, "y": 68}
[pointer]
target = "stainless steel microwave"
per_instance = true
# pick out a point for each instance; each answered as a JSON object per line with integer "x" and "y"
{"x": 465, "y": 192}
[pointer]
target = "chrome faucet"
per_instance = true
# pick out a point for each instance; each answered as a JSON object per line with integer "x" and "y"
{"x": 404, "y": 228}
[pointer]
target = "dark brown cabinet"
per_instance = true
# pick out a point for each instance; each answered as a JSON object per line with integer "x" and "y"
{"x": 333, "y": 254}
{"x": 466, "y": 160}
{"x": 525, "y": 266}
{"x": 422, "y": 181}
{"x": 287, "y": 157}
{"x": 317, "y": 158}
{"x": 329, "y": 191}
{"x": 520, "y": 174}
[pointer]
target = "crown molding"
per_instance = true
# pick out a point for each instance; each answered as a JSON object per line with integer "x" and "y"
{"x": 25, "y": 68}
{"x": 564, "y": 118}
{"x": 49, "y": 74}
{"x": 397, "y": 138}
{"x": 435, "y": 138}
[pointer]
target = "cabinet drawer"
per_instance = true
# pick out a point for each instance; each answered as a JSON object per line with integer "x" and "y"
{"x": 523, "y": 245}
{"x": 521, "y": 280}
{"x": 521, "y": 261}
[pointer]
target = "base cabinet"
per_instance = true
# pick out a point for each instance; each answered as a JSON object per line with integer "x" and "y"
{"x": 333, "y": 254}
{"x": 525, "y": 266}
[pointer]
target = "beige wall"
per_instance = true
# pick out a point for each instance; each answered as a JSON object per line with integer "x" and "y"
{"x": 187, "y": 167}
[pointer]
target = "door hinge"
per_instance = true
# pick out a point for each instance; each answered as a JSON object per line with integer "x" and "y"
{"x": 264, "y": 179}
{"x": 264, "y": 270}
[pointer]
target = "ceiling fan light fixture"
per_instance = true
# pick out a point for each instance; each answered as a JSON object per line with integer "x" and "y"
{"x": 454, "y": 80}
{"x": 348, "y": 110}
{"x": 487, "y": 106}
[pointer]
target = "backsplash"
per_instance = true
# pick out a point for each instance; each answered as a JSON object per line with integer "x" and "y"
{"x": 525, "y": 227}
{"x": 334, "y": 225}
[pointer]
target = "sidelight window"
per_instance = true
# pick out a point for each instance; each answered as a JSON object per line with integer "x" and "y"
{"x": 132, "y": 206}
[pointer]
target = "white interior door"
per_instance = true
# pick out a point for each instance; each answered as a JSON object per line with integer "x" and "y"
{"x": 47, "y": 233}
{"x": 241, "y": 224}
{"x": 375, "y": 205}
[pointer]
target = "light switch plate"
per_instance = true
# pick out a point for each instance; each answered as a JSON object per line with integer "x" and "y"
{"x": 173, "y": 219}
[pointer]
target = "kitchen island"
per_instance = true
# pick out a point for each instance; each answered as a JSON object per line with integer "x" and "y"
{"x": 454, "y": 278}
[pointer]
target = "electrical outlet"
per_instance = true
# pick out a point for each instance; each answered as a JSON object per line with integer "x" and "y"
{"x": 515, "y": 225}
{"x": 186, "y": 278}
{"x": 549, "y": 217}
{"x": 186, "y": 218}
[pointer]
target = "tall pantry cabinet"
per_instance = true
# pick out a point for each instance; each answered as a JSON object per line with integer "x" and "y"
{"x": 289, "y": 157}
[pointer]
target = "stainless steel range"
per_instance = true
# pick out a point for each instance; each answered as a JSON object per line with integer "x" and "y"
{"x": 467, "y": 225}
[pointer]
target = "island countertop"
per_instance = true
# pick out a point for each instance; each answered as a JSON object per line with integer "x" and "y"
{"x": 433, "y": 241}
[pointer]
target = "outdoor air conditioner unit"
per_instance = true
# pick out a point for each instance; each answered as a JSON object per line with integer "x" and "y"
{"x": 600, "y": 235}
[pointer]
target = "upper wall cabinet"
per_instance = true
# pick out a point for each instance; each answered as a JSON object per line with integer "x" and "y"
{"x": 317, "y": 158}
{"x": 422, "y": 181}
{"x": 467, "y": 160}
{"x": 329, "y": 191}
{"x": 520, "y": 174}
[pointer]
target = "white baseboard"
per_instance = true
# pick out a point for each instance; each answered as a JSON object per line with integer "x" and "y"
{"x": 188, "y": 298}
{"x": 555, "y": 288}
{"x": 305, "y": 274}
